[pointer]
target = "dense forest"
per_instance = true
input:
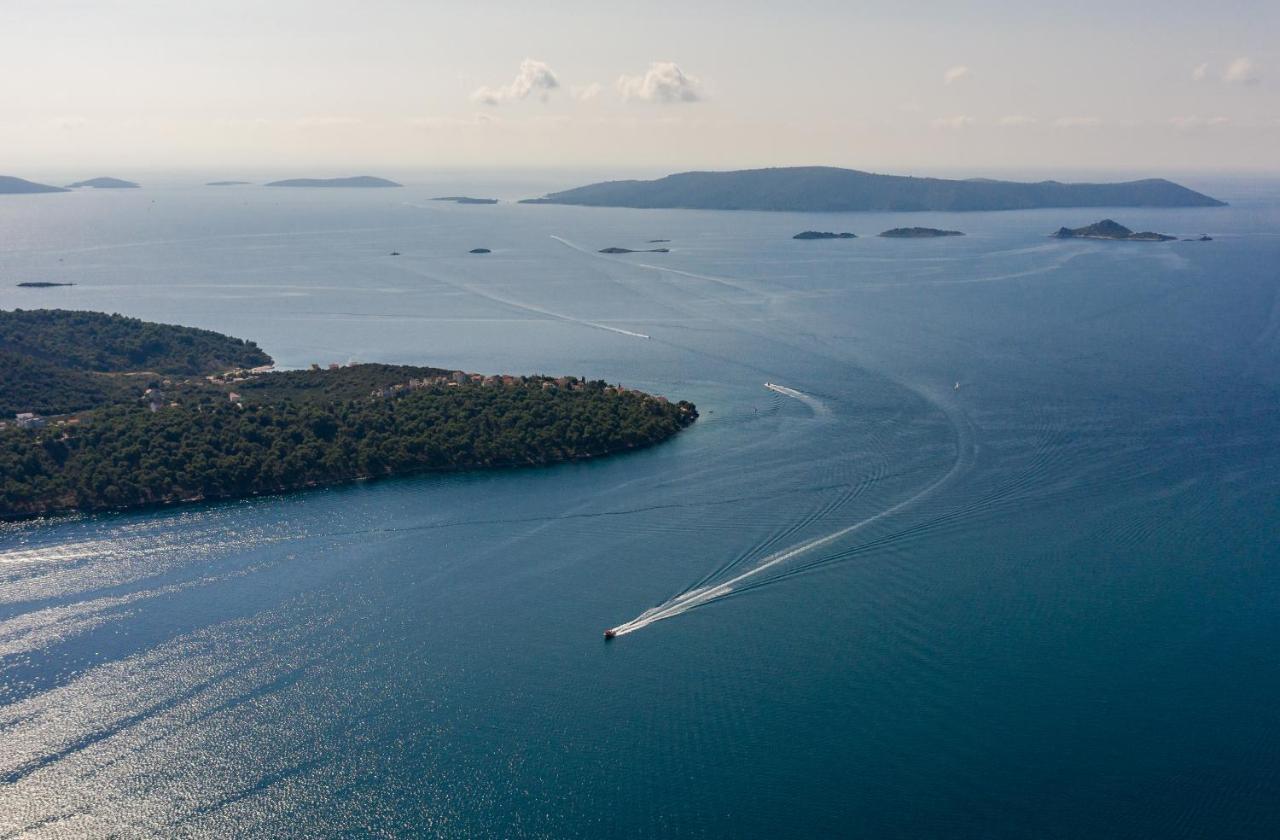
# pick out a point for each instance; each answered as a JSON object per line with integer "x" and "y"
{"x": 348, "y": 382}
{"x": 129, "y": 456}
{"x": 96, "y": 341}
{"x": 141, "y": 438}
{"x": 54, "y": 361}
{"x": 28, "y": 384}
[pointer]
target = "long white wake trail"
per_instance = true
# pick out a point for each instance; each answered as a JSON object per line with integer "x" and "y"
{"x": 559, "y": 316}
{"x": 697, "y": 597}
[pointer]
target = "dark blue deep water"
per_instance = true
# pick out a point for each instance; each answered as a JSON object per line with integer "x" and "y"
{"x": 1049, "y": 605}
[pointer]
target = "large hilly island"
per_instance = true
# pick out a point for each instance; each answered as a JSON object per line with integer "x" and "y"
{"x": 10, "y": 185}
{"x": 357, "y": 181}
{"x": 145, "y": 414}
{"x": 828, "y": 189}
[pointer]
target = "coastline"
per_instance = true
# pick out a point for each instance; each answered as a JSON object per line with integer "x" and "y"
{"x": 314, "y": 446}
{"x": 59, "y": 513}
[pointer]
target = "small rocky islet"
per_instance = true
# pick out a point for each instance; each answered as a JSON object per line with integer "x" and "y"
{"x": 1111, "y": 230}
{"x": 465, "y": 199}
{"x": 824, "y": 234}
{"x": 918, "y": 233}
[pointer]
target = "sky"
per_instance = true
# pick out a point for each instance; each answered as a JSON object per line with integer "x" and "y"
{"x": 381, "y": 85}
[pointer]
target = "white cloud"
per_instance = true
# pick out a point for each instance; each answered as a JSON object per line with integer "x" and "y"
{"x": 664, "y": 81}
{"x": 1200, "y": 72}
{"x": 1017, "y": 121}
{"x": 955, "y": 74}
{"x": 586, "y": 93}
{"x": 1077, "y": 122}
{"x": 1242, "y": 71}
{"x": 958, "y": 121}
{"x": 534, "y": 76}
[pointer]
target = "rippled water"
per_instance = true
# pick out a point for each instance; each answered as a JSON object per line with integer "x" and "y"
{"x": 1049, "y": 604}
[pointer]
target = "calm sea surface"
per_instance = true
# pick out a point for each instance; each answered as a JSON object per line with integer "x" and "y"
{"x": 1001, "y": 559}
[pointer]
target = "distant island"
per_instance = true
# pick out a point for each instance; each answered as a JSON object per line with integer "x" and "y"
{"x": 1107, "y": 229}
{"x": 17, "y": 186}
{"x": 823, "y": 234}
{"x": 227, "y": 183}
{"x": 104, "y": 184}
{"x": 479, "y": 251}
{"x": 41, "y": 284}
{"x": 110, "y": 413}
{"x": 918, "y": 233}
{"x": 829, "y": 189}
{"x": 358, "y": 181}
{"x": 614, "y": 249}
{"x": 466, "y": 199}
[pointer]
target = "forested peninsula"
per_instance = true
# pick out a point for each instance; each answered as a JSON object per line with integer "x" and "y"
{"x": 111, "y": 413}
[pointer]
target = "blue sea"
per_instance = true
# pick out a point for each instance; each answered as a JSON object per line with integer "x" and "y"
{"x": 999, "y": 555}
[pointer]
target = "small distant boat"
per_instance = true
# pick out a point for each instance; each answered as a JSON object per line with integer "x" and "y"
{"x": 611, "y": 633}
{"x": 957, "y": 388}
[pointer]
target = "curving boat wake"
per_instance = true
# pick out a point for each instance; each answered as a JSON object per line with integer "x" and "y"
{"x": 700, "y": 596}
{"x": 818, "y": 406}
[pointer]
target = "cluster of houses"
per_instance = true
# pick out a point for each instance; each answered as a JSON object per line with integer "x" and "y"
{"x": 448, "y": 380}
{"x": 241, "y": 374}
{"x": 31, "y": 420}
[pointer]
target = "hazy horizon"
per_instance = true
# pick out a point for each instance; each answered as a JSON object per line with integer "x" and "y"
{"x": 135, "y": 86}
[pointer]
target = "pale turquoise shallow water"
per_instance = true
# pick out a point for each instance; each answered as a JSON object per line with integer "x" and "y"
{"x": 1071, "y": 631}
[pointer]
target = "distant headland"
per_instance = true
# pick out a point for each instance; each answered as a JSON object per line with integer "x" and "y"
{"x": 18, "y": 186}
{"x": 1107, "y": 229}
{"x": 86, "y": 392}
{"x": 356, "y": 181}
{"x": 104, "y": 184}
{"x": 829, "y": 189}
